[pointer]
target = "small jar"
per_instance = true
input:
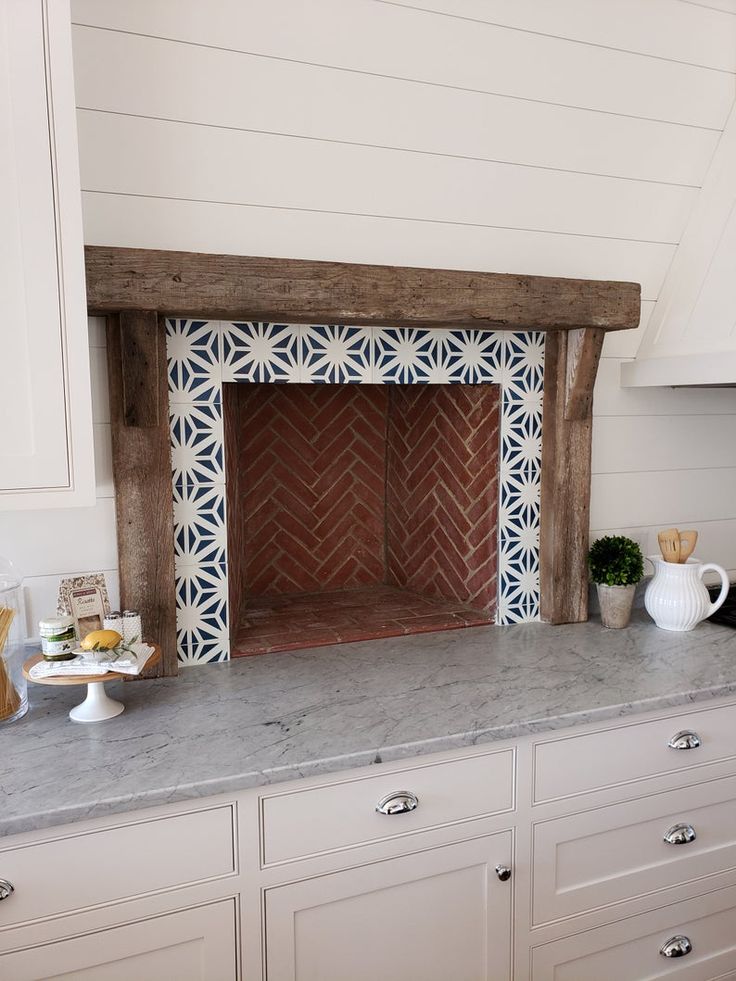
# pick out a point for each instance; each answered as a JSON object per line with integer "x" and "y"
{"x": 58, "y": 638}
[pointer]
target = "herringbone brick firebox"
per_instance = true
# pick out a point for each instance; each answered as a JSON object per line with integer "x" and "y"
{"x": 359, "y": 511}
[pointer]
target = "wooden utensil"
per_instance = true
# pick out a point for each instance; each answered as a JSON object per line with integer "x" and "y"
{"x": 669, "y": 544}
{"x": 688, "y": 541}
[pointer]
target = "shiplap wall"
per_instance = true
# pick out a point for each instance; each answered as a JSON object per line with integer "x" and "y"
{"x": 566, "y": 139}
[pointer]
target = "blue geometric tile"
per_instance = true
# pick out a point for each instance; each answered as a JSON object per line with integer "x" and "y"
{"x": 336, "y": 355}
{"x": 470, "y": 357}
{"x": 523, "y": 370}
{"x": 519, "y": 507}
{"x": 200, "y": 536}
{"x": 518, "y": 576}
{"x": 201, "y": 614}
{"x": 260, "y": 352}
{"x": 197, "y": 443}
{"x": 403, "y": 355}
{"x": 193, "y": 355}
{"x": 521, "y": 434}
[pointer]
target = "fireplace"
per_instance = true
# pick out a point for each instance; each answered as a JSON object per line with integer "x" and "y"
{"x": 538, "y": 338}
{"x": 359, "y": 511}
{"x": 344, "y": 483}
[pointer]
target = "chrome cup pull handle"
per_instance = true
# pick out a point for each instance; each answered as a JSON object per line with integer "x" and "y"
{"x": 680, "y": 834}
{"x": 398, "y": 802}
{"x": 687, "y": 739}
{"x": 6, "y": 889}
{"x": 676, "y": 946}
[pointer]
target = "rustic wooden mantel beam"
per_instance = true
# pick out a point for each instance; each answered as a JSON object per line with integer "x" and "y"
{"x": 302, "y": 291}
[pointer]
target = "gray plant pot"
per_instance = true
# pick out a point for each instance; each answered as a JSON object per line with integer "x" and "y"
{"x": 615, "y": 603}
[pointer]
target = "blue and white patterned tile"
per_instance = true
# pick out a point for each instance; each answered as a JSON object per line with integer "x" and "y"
{"x": 404, "y": 355}
{"x": 523, "y": 367}
{"x": 336, "y": 355}
{"x": 200, "y": 535}
{"x": 470, "y": 357}
{"x": 260, "y": 352}
{"x": 193, "y": 356}
{"x": 197, "y": 443}
{"x": 521, "y": 435}
{"x": 507, "y": 614}
{"x": 518, "y": 576}
{"x": 519, "y": 507}
{"x": 201, "y": 614}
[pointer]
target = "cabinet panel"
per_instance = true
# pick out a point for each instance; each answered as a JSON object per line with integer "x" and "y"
{"x": 323, "y": 819}
{"x": 190, "y": 945}
{"x": 578, "y": 764}
{"x": 630, "y": 949}
{"x": 46, "y": 454}
{"x": 75, "y": 872}
{"x": 585, "y": 861}
{"x": 432, "y": 916}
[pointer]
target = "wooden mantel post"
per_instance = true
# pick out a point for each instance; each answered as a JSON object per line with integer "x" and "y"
{"x": 570, "y": 366}
{"x": 136, "y": 349}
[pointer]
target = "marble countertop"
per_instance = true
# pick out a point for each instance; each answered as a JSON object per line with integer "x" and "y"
{"x": 258, "y": 720}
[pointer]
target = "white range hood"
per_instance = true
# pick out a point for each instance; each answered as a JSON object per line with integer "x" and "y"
{"x": 691, "y": 336}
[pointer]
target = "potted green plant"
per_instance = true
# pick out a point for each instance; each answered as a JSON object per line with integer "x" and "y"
{"x": 616, "y": 566}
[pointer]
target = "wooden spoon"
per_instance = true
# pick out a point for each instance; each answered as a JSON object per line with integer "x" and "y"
{"x": 669, "y": 544}
{"x": 688, "y": 541}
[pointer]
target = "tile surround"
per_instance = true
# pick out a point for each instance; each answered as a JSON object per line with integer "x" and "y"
{"x": 203, "y": 354}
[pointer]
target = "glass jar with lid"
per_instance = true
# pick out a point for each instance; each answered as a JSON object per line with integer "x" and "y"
{"x": 13, "y": 686}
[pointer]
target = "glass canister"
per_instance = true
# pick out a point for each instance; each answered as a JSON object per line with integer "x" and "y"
{"x": 13, "y": 686}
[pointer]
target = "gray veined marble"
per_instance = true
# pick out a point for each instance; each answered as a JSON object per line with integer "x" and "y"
{"x": 259, "y": 720}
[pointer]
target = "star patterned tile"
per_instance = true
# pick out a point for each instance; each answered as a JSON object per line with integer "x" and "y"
{"x": 199, "y": 525}
{"x": 201, "y": 614}
{"x": 336, "y": 355}
{"x": 259, "y": 352}
{"x": 197, "y": 443}
{"x": 404, "y": 356}
{"x": 193, "y": 355}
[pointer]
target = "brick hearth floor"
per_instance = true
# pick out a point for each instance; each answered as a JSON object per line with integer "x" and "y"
{"x": 290, "y": 622}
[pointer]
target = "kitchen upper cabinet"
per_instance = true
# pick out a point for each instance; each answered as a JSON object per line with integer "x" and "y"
{"x": 196, "y": 944}
{"x": 433, "y": 915}
{"x": 46, "y": 451}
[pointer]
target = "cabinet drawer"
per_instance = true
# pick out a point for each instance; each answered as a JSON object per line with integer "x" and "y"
{"x": 611, "y": 854}
{"x": 62, "y": 875}
{"x": 582, "y": 763}
{"x": 189, "y": 945}
{"x": 342, "y": 815}
{"x": 629, "y": 950}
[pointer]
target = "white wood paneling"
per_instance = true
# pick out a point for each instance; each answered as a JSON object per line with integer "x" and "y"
{"x": 664, "y": 497}
{"x": 161, "y": 223}
{"x": 663, "y": 28}
{"x": 137, "y": 75}
{"x": 213, "y": 164}
{"x": 618, "y": 446}
{"x": 388, "y": 39}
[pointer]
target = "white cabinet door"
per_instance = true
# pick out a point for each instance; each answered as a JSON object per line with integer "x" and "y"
{"x": 432, "y": 916}
{"x": 196, "y": 944}
{"x": 46, "y": 454}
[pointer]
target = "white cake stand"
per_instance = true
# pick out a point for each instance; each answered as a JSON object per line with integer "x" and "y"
{"x": 97, "y": 706}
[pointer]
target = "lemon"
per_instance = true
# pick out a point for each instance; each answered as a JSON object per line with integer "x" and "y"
{"x": 101, "y": 640}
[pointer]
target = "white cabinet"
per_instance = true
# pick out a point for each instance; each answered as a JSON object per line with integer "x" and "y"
{"x": 195, "y": 944}
{"x": 429, "y": 916}
{"x": 46, "y": 452}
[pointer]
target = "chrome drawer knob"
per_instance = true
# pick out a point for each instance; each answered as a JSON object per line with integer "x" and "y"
{"x": 680, "y": 834}
{"x": 503, "y": 872}
{"x": 6, "y": 888}
{"x": 398, "y": 802}
{"x": 676, "y": 946}
{"x": 687, "y": 739}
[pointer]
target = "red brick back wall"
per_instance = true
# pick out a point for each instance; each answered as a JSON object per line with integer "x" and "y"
{"x": 343, "y": 486}
{"x": 441, "y": 505}
{"x": 312, "y": 461}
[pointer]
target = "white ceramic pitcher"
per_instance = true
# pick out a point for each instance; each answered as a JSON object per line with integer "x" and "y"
{"x": 676, "y": 598}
